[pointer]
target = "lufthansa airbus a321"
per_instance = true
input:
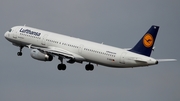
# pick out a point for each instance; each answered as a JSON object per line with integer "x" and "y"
{"x": 46, "y": 45}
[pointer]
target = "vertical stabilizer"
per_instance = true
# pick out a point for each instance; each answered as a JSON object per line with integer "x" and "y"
{"x": 145, "y": 45}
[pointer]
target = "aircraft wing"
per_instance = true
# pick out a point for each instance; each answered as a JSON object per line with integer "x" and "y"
{"x": 59, "y": 52}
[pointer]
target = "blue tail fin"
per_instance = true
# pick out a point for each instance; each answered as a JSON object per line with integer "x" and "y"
{"x": 145, "y": 45}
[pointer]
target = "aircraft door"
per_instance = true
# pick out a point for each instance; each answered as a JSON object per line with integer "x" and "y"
{"x": 122, "y": 58}
{"x": 80, "y": 49}
{"x": 14, "y": 35}
{"x": 43, "y": 42}
{"x": 8, "y": 34}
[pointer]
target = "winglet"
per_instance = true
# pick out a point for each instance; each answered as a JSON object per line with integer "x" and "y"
{"x": 145, "y": 45}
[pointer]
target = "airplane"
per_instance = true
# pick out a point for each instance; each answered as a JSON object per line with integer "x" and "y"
{"x": 46, "y": 45}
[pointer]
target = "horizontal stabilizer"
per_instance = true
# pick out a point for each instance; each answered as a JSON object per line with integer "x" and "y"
{"x": 165, "y": 60}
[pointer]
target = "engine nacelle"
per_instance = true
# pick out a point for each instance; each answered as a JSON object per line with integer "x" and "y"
{"x": 38, "y": 55}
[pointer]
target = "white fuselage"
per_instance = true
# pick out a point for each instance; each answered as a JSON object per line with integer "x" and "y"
{"x": 91, "y": 52}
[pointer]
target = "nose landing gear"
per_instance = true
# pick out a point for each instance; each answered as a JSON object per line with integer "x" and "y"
{"x": 20, "y": 52}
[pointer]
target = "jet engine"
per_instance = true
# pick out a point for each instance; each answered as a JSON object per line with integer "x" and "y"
{"x": 38, "y": 55}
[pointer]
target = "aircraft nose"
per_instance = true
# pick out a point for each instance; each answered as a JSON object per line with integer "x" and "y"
{"x": 5, "y": 35}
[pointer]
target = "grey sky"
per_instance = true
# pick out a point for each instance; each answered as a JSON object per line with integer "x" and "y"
{"x": 114, "y": 22}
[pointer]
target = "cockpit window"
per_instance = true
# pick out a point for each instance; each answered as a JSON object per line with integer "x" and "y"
{"x": 10, "y": 30}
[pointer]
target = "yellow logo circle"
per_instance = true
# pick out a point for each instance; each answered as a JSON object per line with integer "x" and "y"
{"x": 148, "y": 40}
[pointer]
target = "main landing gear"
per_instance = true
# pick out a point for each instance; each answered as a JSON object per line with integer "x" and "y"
{"x": 20, "y": 52}
{"x": 89, "y": 67}
{"x": 61, "y": 66}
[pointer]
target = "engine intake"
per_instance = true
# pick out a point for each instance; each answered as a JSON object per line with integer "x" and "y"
{"x": 38, "y": 55}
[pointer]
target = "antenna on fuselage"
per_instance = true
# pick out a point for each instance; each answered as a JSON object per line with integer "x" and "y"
{"x": 24, "y": 24}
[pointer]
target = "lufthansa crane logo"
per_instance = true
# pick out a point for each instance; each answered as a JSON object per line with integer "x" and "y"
{"x": 148, "y": 40}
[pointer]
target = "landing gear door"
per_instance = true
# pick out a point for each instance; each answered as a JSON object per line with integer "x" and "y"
{"x": 122, "y": 58}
